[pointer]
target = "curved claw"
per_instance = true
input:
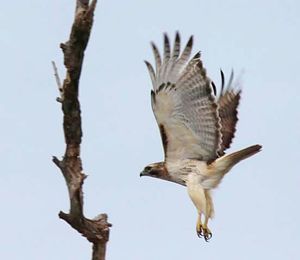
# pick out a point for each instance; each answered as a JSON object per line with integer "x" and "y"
{"x": 207, "y": 236}
{"x": 200, "y": 233}
{"x": 203, "y": 231}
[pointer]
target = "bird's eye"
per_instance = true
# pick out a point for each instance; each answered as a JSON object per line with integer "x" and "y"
{"x": 147, "y": 169}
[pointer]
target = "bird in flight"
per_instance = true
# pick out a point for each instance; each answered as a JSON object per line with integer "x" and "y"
{"x": 196, "y": 126}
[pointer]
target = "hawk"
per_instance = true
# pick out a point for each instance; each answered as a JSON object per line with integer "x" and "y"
{"x": 196, "y": 126}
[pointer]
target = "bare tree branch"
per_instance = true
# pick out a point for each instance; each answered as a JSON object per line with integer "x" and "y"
{"x": 95, "y": 230}
{"x": 58, "y": 82}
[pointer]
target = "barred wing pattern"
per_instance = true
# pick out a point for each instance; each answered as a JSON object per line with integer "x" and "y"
{"x": 184, "y": 104}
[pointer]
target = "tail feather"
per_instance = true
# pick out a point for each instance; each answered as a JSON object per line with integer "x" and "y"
{"x": 225, "y": 163}
{"x": 218, "y": 168}
{"x": 244, "y": 153}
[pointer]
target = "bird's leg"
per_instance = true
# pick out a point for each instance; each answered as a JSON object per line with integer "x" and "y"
{"x": 202, "y": 229}
{"x": 206, "y": 232}
{"x": 199, "y": 226}
{"x": 208, "y": 213}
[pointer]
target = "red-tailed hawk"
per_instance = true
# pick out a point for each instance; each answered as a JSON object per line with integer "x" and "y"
{"x": 196, "y": 126}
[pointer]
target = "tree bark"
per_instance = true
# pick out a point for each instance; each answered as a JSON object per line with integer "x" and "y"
{"x": 95, "y": 230}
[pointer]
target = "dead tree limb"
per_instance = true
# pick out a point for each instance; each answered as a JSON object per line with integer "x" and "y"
{"x": 95, "y": 230}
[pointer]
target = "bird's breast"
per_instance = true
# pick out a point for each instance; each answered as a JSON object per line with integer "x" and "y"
{"x": 181, "y": 170}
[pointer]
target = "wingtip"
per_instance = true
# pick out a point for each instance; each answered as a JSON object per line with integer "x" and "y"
{"x": 222, "y": 81}
{"x": 177, "y": 37}
{"x": 190, "y": 41}
{"x": 222, "y": 75}
{"x": 230, "y": 79}
{"x": 166, "y": 38}
{"x": 153, "y": 45}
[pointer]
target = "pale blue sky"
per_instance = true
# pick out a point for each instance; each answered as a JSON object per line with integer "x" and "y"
{"x": 257, "y": 208}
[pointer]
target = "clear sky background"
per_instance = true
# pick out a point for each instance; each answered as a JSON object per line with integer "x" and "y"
{"x": 257, "y": 204}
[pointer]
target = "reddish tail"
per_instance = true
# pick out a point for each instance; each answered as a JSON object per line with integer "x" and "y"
{"x": 238, "y": 156}
{"x": 226, "y": 162}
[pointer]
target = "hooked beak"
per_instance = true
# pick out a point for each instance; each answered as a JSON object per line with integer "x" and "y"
{"x": 143, "y": 173}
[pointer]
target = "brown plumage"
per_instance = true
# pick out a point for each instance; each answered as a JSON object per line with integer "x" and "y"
{"x": 196, "y": 126}
{"x": 228, "y": 102}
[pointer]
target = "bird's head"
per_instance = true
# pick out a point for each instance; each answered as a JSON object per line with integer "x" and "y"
{"x": 156, "y": 170}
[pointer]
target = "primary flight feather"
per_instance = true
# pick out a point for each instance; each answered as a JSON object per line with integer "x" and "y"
{"x": 196, "y": 125}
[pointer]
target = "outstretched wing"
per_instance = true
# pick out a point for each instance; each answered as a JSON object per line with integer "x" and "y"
{"x": 184, "y": 104}
{"x": 228, "y": 102}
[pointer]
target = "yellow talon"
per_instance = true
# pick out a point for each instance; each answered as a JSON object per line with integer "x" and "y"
{"x": 203, "y": 231}
{"x": 199, "y": 229}
{"x": 207, "y": 234}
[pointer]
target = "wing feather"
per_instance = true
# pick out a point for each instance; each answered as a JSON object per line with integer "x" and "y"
{"x": 228, "y": 103}
{"x": 167, "y": 48}
{"x": 156, "y": 57}
{"x": 176, "y": 47}
{"x": 184, "y": 105}
{"x": 151, "y": 72}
